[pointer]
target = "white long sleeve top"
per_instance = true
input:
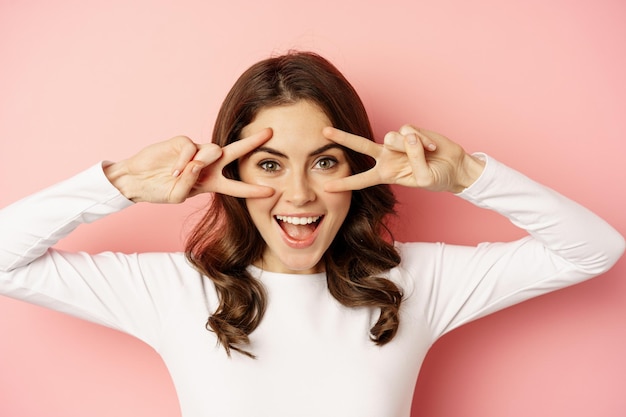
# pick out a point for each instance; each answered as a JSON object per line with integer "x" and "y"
{"x": 314, "y": 356}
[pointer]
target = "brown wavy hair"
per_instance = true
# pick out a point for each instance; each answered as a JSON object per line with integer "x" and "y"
{"x": 225, "y": 242}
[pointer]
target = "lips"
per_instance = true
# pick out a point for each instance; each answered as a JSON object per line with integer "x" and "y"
{"x": 299, "y": 231}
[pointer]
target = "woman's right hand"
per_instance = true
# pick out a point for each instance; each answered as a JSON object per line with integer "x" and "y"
{"x": 174, "y": 170}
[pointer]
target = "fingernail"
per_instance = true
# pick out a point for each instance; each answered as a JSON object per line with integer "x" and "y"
{"x": 411, "y": 138}
{"x": 431, "y": 146}
{"x": 176, "y": 173}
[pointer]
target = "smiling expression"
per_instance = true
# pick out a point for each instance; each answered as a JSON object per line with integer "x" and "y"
{"x": 300, "y": 220}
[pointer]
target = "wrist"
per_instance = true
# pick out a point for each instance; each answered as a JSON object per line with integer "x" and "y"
{"x": 118, "y": 176}
{"x": 471, "y": 168}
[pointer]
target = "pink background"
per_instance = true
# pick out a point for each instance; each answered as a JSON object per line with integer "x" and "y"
{"x": 539, "y": 84}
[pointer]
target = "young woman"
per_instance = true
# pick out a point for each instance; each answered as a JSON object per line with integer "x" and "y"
{"x": 292, "y": 296}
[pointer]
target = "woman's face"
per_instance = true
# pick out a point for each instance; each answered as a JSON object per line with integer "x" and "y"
{"x": 298, "y": 222}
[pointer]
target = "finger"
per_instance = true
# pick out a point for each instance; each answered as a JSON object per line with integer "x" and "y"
{"x": 353, "y": 182}
{"x": 354, "y": 142}
{"x": 187, "y": 150}
{"x": 241, "y": 189}
{"x": 246, "y": 145}
{"x": 394, "y": 141}
{"x": 426, "y": 140}
{"x": 415, "y": 151}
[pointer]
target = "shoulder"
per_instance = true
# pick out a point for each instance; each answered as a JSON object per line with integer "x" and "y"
{"x": 173, "y": 274}
{"x": 166, "y": 264}
{"x": 418, "y": 262}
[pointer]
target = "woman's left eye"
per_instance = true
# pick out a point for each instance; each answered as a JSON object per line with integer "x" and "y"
{"x": 325, "y": 163}
{"x": 269, "y": 166}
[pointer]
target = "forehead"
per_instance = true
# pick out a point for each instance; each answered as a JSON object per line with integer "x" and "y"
{"x": 298, "y": 124}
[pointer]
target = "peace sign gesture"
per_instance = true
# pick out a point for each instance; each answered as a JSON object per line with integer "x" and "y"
{"x": 176, "y": 169}
{"x": 411, "y": 157}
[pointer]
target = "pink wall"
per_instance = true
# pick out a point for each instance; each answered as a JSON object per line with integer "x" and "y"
{"x": 539, "y": 84}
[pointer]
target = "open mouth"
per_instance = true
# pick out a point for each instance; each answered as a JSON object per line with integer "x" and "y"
{"x": 299, "y": 228}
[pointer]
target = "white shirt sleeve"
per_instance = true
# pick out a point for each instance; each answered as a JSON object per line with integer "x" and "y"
{"x": 567, "y": 244}
{"x": 127, "y": 292}
{"x": 35, "y": 223}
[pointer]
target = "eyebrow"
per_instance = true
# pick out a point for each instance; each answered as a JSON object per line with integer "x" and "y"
{"x": 312, "y": 153}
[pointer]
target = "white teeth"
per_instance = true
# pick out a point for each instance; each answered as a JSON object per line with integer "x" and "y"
{"x": 298, "y": 220}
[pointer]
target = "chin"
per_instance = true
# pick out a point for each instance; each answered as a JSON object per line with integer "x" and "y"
{"x": 304, "y": 266}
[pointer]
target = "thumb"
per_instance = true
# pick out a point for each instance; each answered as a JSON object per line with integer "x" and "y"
{"x": 427, "y": 140}
{"x": 184, "y": 184}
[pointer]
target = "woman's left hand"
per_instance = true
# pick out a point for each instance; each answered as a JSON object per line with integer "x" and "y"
{"x": 411, "y": 157}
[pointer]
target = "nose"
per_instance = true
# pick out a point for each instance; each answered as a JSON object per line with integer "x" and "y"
{"x": 298, "y": 190}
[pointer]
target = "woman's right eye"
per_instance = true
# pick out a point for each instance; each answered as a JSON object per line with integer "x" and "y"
{"x": 269, "y": 166}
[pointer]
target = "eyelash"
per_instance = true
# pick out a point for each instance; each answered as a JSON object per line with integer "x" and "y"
{"x": 264, "y": 165}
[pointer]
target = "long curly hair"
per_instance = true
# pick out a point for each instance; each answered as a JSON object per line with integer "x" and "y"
{"x": 225, "y": 241}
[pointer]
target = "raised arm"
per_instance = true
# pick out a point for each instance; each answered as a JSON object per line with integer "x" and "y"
{"x": 166, "y": 172}
{"x": 566, "y": 244}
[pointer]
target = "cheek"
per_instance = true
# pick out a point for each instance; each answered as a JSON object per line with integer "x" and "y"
{"x": 257, "y": 207}
{"x": 260, "y": 210}
{"x": 251, "y": 176}
{"x": 339, "y": 202}
{"x": 245, "y": 172}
